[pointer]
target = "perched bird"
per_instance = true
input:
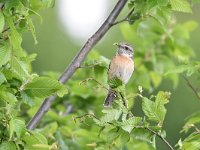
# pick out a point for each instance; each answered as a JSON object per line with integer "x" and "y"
{"x": 121, "y": 67}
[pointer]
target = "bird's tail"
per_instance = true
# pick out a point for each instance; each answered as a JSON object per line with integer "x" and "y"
{"x": 112, "y": 95}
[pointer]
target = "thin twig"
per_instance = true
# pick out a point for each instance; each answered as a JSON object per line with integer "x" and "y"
{"x": 78, "y": 59}
{"x": 192, "y": 87}
{"x": 124, "y": 19}
{"x": 161, "y": 137}
{"x": 93, "y": 79}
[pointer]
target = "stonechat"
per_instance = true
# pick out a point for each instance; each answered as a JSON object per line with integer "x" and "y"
{"x": 121, "y": 67}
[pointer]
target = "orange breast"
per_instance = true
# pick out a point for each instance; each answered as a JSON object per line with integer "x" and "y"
{"x": 121, "y": 67}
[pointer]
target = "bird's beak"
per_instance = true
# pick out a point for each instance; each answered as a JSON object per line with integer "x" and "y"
{"x": 116, "y": 44}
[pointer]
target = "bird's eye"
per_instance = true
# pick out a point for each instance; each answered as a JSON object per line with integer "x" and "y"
{"x": 126, "y": 48}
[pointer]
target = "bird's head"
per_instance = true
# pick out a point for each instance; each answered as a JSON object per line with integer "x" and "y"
{"x": 124, "y": 49}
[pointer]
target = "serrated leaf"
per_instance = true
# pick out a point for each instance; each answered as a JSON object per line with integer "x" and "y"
{"x": 181, "y": 5}
{"x": 43, "y": 87}
{"x": 156, "y": 111}
{"x": 6, "y": 145}
{"x": 5, "y": 54}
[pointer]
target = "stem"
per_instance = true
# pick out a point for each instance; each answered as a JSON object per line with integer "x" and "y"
{"x": 161, "y": 137}
{"x": 124, "y": 19}
{"x": 93, "y": 79}
{"x": 192, "y": 87}
{"x": 78, "y": 59}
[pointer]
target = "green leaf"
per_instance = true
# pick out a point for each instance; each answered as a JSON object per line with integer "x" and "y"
{"x": 27, "y": 99}
{"x": 163, "y": 2}
{"x": 6, "y": 145}
{"x": 15, "y": 39}
{"x": 113, "y": 134}
{"x": 156, "y": 111}
{"x": 43, "y": 87}
{"x": 8, "y": 97}
{"x": 61, "y": 141}
{"x": 49, "y": 129}
{"x": 161, "y": 14}
{"x": 129, "y": 124}
{"x": 124, "y": 137}
{"x": 192, "y": 142}
{"x": 189, "y": 68}
{"x": 19, "y": 68}
{"x": 2, "y": 78}
{"x": 115, "y": 82}
{"x": 33, "y": 139}
{"x": 18, "y": 126}
{"x": 32, "y": 29}
{"x": 110, "y": 115}
{"x": 142, "y": 135}
{"x": 180, "y": 5}
{"x": 2, "y": 22}
{"x": 5, "y": 54}
{"x": 192, "y": 120}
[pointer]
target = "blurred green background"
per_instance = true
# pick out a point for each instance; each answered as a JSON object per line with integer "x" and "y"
{"x": 56, "y": 48}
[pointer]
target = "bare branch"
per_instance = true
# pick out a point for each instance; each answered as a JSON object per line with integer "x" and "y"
{"x": 192, "y": 87}
{"x": 78, "y": 59}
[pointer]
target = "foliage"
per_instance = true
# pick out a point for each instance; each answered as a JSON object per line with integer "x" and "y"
{"x": 18, "y": 85}
{"x": 77, "y": 120}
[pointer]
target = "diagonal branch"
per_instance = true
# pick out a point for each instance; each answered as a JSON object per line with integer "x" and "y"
{"x": 78, "y": 59}
{"x": 192, "y": 87}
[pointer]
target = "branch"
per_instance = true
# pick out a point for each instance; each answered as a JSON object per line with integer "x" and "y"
{"x": 161, "y": 137}
{"x": 78, "y": 59}
{"x": 192, "y": 87}
{"x": 125, "y": 19}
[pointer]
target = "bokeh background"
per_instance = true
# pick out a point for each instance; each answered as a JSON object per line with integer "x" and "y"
{"x": 67, "y": 26}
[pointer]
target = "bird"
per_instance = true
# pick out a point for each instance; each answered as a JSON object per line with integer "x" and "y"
{"x": 121, "y": 68}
